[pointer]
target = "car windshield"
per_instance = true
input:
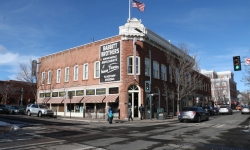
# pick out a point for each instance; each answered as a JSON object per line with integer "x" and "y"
{"x": 189, "y": 109}
{"x": 245, "y": 107}
{"x": 43, "y": 106}
{"x": 223, "y": 106}
{"x": 15, "y": 107}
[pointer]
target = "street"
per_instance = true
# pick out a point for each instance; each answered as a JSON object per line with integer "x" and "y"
{"x": 220, "y": 132}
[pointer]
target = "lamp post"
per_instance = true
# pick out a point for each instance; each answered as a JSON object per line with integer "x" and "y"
{"x": 150, "y": 74}
{"x": 21, "y": 104}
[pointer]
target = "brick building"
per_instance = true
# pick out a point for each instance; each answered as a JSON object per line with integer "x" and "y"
{"x": 105, "y": 73}
{"x": 12, "y": 92}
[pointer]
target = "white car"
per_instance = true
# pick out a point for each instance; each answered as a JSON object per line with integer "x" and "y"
{"x": 245, "y": 109}
{"x": 39, "y": 110}
{"x": 225, "y": 110}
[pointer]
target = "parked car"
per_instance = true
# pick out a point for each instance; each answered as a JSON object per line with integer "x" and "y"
{"x": 17, "y": 110}
{"x": 238, "y": 107}
{"x": 216, "y": 110}
{"x": 245, "y": 109}
{"x": 39, "y": 110}
{"x": 225, "y": 109}
{"x": 4, "y": 109}
{"x": 209, "y": 109}
{"x": 193, "y": 114}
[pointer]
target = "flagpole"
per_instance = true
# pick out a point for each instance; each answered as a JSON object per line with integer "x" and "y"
{"x": 129, "y": 1}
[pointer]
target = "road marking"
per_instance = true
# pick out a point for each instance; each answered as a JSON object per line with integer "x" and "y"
{"x": 218, "y": 125}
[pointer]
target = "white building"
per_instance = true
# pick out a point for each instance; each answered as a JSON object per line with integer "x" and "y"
{"x": 223, "y": 87}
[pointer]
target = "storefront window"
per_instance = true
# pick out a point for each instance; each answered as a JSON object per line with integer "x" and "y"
{"x": 164, "y": 103}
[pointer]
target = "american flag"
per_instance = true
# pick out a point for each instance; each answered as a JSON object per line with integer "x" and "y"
{"x": 138, "y": 5}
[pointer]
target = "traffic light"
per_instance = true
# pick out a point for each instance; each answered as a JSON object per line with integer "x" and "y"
{"x": 237, "y": 63}
{"x": 147, "y": 86}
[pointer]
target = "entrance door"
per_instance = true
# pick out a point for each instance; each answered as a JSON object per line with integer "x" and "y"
{"x": 133, "y": 103}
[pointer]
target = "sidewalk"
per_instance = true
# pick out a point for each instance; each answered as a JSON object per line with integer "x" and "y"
{"x": 116, "y": 120}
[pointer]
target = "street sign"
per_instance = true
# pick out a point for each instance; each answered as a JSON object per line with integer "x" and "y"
{"x": 247, "y": 61}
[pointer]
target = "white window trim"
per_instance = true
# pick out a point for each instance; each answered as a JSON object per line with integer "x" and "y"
{"x": 49, "y": 77}
{"x": 95, "y": 76}
{"x": 43, "y": 78}
{"x": 156, "y": 69}
{"x": 76, "y": 72}
{"x": 66, "y": 78}
{"x": 138, "y": 65}
{"x": 58, "y": 76}
{"x": 84, "y": 71}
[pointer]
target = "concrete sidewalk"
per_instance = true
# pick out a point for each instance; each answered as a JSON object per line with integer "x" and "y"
{"x": 115, "y": 120}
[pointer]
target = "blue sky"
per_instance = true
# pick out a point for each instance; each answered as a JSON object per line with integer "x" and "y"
{"x": 215, "y": 30}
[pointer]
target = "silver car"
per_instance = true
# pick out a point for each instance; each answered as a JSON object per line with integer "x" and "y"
{"x": 39, "y": 110}
{"x": 225, "y": 110}
{"x": 245, "y": 109}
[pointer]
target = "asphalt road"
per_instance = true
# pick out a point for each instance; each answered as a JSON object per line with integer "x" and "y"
{"x": 222, "y": 132}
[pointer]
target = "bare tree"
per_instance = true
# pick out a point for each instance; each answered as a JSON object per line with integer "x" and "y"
{"x": 246, "y": 76}
{"x": 24, "y": 74}
{"x": 185, "y": 76}
{"x": 6, "y": 90}
{"x": 245, "y": 97}
{"x": 219, "y": 90}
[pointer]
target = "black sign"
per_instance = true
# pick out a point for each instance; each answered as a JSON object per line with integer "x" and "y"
{"x": 110, "y": 62}
{"x": 54, "y": 94}
{"x": 47, "y": 94}
{"x": 41, "y": 95}
{"x": 61, "y": 94}
{"x": 100, "y": 91}
{"x": 79, "y": 92}
{"x": 90, "y": 92}
{"x": 114, "y": 90}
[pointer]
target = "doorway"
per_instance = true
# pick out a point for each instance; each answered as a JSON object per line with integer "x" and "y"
{"x": 133, "y": 100}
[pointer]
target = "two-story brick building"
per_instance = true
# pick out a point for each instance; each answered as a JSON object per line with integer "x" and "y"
{"x": 110, "y": 71}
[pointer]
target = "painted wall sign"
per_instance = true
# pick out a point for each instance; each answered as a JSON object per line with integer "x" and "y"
{"x": 114, "y": 90}
{"x": 110, "y": 62}
{"x": 100, "y": 91}
{"x": 54, "y": 94}
{"x": 90, "y": 92}
{"x": 79, "y": 92}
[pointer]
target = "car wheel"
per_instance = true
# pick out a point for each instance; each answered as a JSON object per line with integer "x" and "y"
{"x": 207, "y": 118}
{"x": 180, "y": 120}
{"x": 199, "y": 119}
{"x": 39, "y": 114}
{"x": 242, "y": 113}
{"x": 50, "y": 115}
{"x": 29, "y": 114}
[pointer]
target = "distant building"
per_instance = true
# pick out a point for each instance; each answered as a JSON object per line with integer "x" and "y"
{"x": 223, "y": 87}
{"x": 14, "y": 92}
{"x": 110, "y": 72}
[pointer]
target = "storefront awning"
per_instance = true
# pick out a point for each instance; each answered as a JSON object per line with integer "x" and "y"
{"x": 111, "y": 98}
{"x": 55, "y": 100}
{"x": 43, "y": 100}
{"x": 93, "y": 99}
{"x": 75, "y": 100}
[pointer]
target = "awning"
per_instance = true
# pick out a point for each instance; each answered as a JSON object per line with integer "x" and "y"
{"x": 74, "y": 100}
{"x": 55, "y": 100}
{"x": 43, "y": 100}
{"x": 93, "y": 99}
{"x": 111, "y": 98}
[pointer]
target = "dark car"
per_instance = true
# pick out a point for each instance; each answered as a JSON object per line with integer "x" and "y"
{"x": 4, "y": 109}
{"x": 216, "y": 110}
{"x": 17, "y": 110}
{"x": 193, "y": 114}
{"x": 209, "y": 109}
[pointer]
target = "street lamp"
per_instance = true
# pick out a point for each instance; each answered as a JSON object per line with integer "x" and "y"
{"x": 150, "y": 74}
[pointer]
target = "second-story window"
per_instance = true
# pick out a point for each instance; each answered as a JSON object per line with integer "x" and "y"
{"x": 66, "y": 78}
{"x": 176, "y": 75}
{"x": 58, "y": 76}
{"x": 97, "y": 69}
{"x": 155, "y": 70}
{"x": 85, "y": 71}
{"x": 163, "y": 73}
{"x": 130, "y": 65}
{"x": 75, "y": 73}
{"x": 43, "y": 78}
{"x": 49, "y": 77}
{"x": 170, "y": 73}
